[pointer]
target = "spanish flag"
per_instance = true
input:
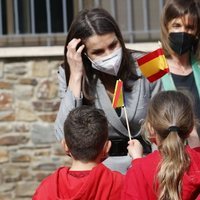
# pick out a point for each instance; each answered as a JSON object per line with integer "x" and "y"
{"x": 118, "y": 99}
{"x": 153, "y": 65}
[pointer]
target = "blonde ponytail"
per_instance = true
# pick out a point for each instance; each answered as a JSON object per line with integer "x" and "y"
{"x": 175, "y": 161}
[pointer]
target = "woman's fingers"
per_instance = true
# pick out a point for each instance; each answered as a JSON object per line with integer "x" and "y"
{"x": 80, "y": 49}
{"x": 72, "y": 45}
{"x": 74, "y": 57}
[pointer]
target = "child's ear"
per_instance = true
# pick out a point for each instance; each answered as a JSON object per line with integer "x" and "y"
{"x": 151, "y": 130}
{"x": 107, "y": 146}
{"x": 105, "y": 150}
{"x": 65, "y": 147}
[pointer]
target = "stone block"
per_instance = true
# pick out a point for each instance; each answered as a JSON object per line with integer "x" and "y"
{"x": 21, "y": 127}
{"x": 42, "y": 152}
{"x": 46, "y": 106}
{"x": 4, "y": 156}
{"x": 42, "y": 133}
{"x": 5, "y": 85}
{"x": 47, "y": 90}
{"x": 6, "y": 100}
{"x": 7, "y": 187}
{"x": 25, "y": 189}
{"x": 17, "y": 68}
{"x": 1, "y": 69}
{"x": 48, "y": 117}
{"x": 13, "y": 140}
{"x": 40, "y": 69}
{"x": 23, "y": 92}
{"x": 11, "y": 175}
{"x": 54, "y": 64}
{"x": 45, "y": 166}
{"x": 6, "y": 196}
{"x": 7, "y": 116}
{"x": 20, "y": 157}
{"x": 5, "y": 128}
{"x": 24, "y": 112}
{"x": 28, "y": 81}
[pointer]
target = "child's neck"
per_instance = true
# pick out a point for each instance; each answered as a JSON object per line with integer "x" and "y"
{"x": 78, "y": 165}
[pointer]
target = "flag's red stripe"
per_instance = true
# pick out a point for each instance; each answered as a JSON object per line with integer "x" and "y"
{"x": 156, "y": 76}
{"x": 150, "y": 56}
{"x": 117, "y": 93}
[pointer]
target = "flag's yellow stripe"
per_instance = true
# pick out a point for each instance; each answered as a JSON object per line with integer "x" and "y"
{"x": 154, "y": 66}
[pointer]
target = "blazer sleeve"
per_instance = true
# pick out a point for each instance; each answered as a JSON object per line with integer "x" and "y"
{"x": 67, "y": 103}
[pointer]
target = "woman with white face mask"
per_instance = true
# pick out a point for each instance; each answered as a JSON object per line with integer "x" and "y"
{"x": 95, "y": 57}
{"x": 180, "y": 33}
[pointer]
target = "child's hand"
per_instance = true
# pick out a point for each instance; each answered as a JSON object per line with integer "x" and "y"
{"x": 135, "y": 149}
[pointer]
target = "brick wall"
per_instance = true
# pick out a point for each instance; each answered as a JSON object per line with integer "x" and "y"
{"x": 28, "y": 106}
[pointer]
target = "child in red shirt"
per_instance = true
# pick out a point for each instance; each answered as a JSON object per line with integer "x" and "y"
{"x": 86, "y": 141}
{"x": 172, "y": 172}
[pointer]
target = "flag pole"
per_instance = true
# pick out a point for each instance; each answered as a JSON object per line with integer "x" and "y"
{"x": 126, "y": 116}
{"x": 118, "y": 101}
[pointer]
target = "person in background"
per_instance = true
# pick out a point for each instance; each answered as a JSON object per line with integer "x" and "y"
{"x": 180, "y": 32}
{"x": 95, "y": 57}
{"x": 86, "y": 141}
{"x": 173, "y": 171}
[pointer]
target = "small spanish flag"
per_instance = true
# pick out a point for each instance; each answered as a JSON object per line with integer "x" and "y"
{"x": 118, "y": 99}
{"x": 153, "y": 65}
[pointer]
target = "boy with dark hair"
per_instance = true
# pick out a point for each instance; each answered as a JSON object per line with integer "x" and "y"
{"x": 86, "y": 141}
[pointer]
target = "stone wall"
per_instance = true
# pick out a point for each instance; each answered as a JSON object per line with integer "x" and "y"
{"x": 28, "y": 106}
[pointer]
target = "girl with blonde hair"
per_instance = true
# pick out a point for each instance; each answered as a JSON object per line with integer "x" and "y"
{"x": 173, "y": 171}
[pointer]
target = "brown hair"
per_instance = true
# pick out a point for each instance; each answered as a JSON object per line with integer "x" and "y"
{"x": 178, "y": 8}
{"x": 86, "y": 131}
{"x": 87, "y": 23}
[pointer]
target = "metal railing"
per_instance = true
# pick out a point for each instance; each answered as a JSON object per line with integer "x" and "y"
{"x": 138, "y": 20}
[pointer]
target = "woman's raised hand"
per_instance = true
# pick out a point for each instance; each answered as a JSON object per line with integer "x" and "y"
{"x": 75, "y": 62}
{"x": 74, "y": 58}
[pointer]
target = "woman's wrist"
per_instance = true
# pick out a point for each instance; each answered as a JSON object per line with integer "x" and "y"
{"x": 75, "y": 85}
{"x": 76, "y": 77}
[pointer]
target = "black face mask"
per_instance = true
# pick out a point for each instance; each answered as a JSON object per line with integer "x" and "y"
{"x": 182, "y": 42}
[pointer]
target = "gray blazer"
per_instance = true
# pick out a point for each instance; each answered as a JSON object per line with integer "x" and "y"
{"x": 136, "y": 103}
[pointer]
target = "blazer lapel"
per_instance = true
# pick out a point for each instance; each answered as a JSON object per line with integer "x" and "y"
{"x": 105, "y": 104}
{"x": 131, "y": 102}
{"x": 132, "y": 99}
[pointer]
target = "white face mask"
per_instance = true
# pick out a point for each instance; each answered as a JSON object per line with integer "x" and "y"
{"x": 109, "y": 64}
